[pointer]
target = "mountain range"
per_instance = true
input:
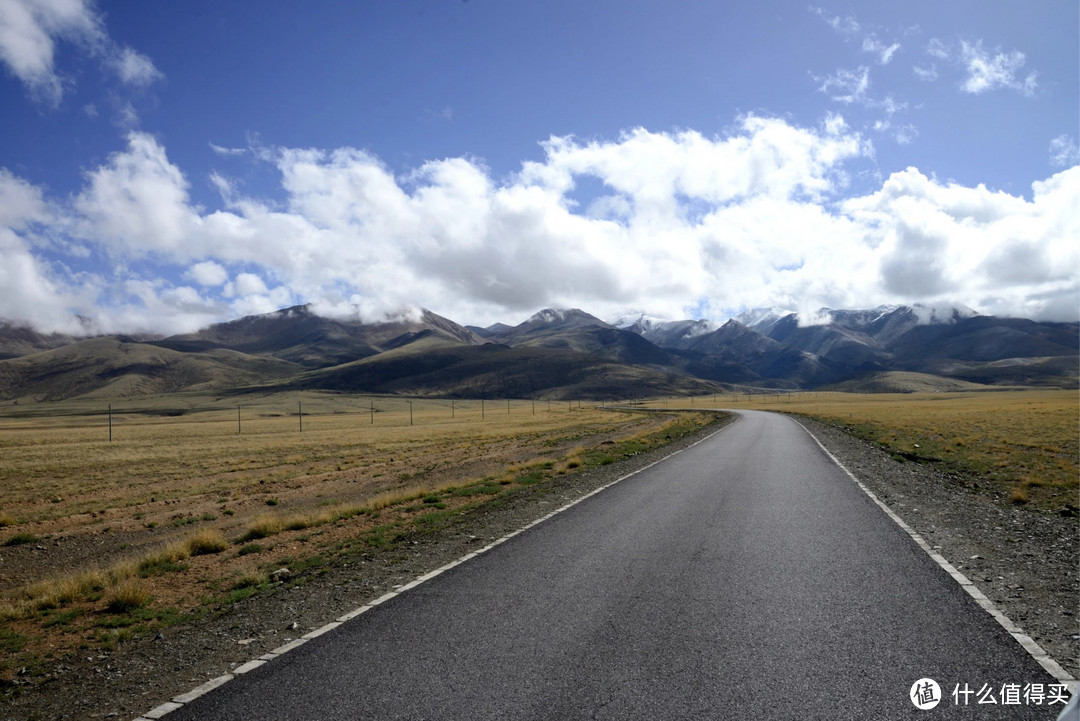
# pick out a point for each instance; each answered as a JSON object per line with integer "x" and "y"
{"x": 556, "y": 353}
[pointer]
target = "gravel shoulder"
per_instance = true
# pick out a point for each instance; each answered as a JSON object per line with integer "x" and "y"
{"x": 1025, "y": 561}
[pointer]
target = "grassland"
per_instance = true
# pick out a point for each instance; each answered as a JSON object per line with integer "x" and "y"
{"x": 197, "y": 503}
{"x": 1021, "y": 444}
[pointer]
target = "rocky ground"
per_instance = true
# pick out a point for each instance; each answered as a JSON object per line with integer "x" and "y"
{"x": 1025, "y": 561}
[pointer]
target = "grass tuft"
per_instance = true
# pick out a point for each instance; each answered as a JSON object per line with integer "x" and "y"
{"x": 165, "y": 560}
{"x": 263, "y": 527}
{"x": 206, "y": 541}
{"x": 127, "y": 597}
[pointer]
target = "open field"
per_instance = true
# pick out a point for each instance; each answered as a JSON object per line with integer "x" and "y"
{"x": 189, "y": 508}
{"x": 1021, "y": 444}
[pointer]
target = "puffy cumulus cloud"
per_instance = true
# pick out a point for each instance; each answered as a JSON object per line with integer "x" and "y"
{"x": 677, "y": 223}
{"x": 138, "y": 202}
{"x": 1000, "y": 253}
{"x": 30, "y": 290}
{"x": 207, "y": 273}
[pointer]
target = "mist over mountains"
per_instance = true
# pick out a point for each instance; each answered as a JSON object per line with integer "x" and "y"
{"x": 556, "y": 353}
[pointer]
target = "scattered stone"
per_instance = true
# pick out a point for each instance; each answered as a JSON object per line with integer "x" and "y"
{"x": 280, "y": 575}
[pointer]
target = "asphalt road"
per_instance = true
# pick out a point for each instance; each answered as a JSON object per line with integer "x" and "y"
{"x": 745, "y": 578}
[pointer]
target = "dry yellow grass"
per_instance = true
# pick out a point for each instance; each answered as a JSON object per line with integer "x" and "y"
{"x": 179, "y": 507}
{"x": 1024, "y": 444}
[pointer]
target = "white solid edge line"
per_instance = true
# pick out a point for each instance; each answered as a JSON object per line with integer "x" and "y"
{"x": 1026, "y": 642}
{"x": 175, "y": 703}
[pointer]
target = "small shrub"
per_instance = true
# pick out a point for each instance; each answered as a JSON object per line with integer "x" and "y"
{"x": 249, "y": 549}
{"x": 1018, "y": 497}
{"x": 128, "y": 596}
{"x": 20, "y": 538}
{"x": 54, "y": 593}
{"x": 209, "y": 540}
{"x": 272, "y": 501}
{"x": 249, "y": 579}
{"x": 262, "y": 527}
{"x": 299, "y": 523}
{"x": 163, "y": 561}
{"x": 6, "y": 519}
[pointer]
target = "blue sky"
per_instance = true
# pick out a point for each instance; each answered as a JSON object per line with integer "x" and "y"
{"x": 168, "y": 165}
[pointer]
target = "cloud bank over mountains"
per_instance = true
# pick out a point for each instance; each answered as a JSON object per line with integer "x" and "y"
{"x": 679, "y": 224}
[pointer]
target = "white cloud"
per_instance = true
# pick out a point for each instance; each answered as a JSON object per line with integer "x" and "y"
{"x": 997, "y": 252}
{"x": 138, "y": 203}
{"x": 249, "y": 284}
{"x": 207, "y": 273}
{"x": 1063, "y": 152}
{"x": 850, "y": 86}
{"x": 936, "y": 48}
{"x": 220, "y": 150}
{"x": 754, "y": 217}
{"x": 988, "y": 71}
{"x": 127, "y": 117}
{"x": 850, "y": 28}
{"x": 846, "y": 26}
{"x": 885, "y": 53}
{"x": 906, "y": 134}
{"x": 30, "y": 292}
{"x": 135, "y": 69}
{"x": 927, "y": 74}
{"x": 31, "y": 29}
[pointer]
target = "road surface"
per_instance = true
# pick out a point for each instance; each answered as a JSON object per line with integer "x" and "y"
{"x": 746, "y": 577}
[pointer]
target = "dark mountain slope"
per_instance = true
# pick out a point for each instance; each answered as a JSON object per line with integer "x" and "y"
{"x": 111, "y": 367}
{"x": 498, "y": 371}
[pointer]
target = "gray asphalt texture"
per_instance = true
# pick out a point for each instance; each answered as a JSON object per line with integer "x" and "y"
{"x": 745, "y": 578}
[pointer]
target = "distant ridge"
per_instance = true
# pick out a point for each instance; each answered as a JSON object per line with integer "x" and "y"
{"x": 555, "y": 353}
